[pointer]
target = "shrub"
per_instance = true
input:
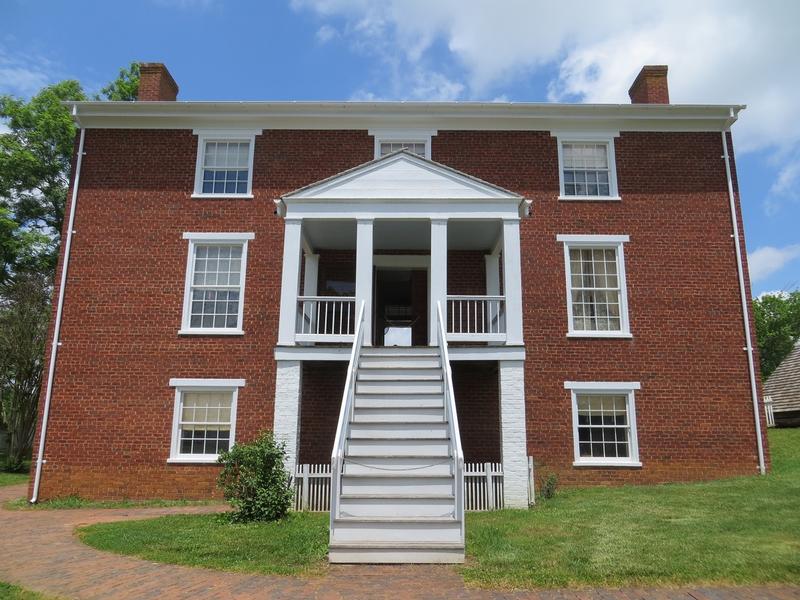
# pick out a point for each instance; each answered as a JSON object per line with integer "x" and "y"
{"x": 255, "y": 481}
{"x": 549, "y": 484}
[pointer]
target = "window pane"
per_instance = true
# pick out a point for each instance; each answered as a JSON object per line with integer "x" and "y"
{"x": 417, "y": 148}
{"x": 205, "y": 422}
{"x": 585, "y": 169}
{"x": 603, "y": 430}
{"x": 226, "y": 164}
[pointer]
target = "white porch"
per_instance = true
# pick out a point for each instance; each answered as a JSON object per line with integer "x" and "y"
{"x": 421, "y": 247}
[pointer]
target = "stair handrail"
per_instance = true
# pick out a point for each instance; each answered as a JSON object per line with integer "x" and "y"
{"x": 345, "y": 414}
{"x": 452, "y": 417}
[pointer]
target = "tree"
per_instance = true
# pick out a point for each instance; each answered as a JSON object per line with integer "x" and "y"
{"x": 24, "y": 315}
{"x": 777, "y": 319}
{"x": 125, "y": 87}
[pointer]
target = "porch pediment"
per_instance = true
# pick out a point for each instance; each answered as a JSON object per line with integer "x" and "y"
{"x": 402, "y": 176}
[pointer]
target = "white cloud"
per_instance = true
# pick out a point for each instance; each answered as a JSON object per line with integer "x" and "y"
{"x": 23, "y": 74}
{"x": 768, "y": 260}
{"x": 326, "y": 33}
{"x": 718, "y": 51}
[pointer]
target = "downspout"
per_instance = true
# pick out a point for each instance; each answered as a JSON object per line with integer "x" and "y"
{"x": 59, "y": 309}
{"x": 745, "y": 312}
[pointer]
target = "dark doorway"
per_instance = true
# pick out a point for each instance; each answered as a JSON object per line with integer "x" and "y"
{"x": 401, "y": 307}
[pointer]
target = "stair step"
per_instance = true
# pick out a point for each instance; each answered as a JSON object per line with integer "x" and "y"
{"x": 399, "y": 351}
{"x": 398, "y": 447}
{"x": 394, "y": 519}
{"x": 400, "y": 362}
{"x": 424, "y": 432}
{"x": 395, "y": 401}
{"x": 400, "y": 531}
{"x": 374, "y": 483}
{"x": 397, "y": 497}
{"x": 405, "y": 414}
{"x": 394, "y": 553}
{"x": 439, "y": 465}
{"x": 409, "y": 374}
{"x": 399, "y": 388}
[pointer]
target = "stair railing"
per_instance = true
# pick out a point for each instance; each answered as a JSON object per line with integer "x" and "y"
{"x": 345, "y": 415}
{"x": 452, "y": 417}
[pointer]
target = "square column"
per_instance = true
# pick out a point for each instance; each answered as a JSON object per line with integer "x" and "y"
{"x": 492, "y": 274}
{"x": 290, "y": 280}
{"x": 438, "y": 282}
{"x": 310, "y": 275}
{"x": 364, "y": 250}
{"x": 513, "y": 433}
{"x": 512, "y": 281}
{"x": 286, "y": 420}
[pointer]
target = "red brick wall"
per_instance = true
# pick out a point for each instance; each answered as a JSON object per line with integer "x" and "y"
{"x": 111, "y": 414}
{"x": 466, "y": 272}
{"x": 323, "y": 383}
{"x": 478, "y": 406}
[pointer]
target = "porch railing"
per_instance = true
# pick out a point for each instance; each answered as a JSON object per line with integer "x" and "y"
{"x": 476, "y": 318}
{"x": 325, "y": 318}
{"x": 483, "y": 487}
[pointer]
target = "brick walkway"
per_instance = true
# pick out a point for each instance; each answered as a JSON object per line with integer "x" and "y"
{"x": 39, "y": 551}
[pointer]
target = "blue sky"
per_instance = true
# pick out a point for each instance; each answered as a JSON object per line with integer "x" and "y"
{"x": 729, "y": 51}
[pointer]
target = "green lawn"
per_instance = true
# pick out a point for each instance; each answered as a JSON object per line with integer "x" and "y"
{"x": 12, "y": 592}
{"x": 71, "y": 502}
{"x": 736, "y": 531}
{"x": 12, "y": 478}
{"x": 297, "y": 545}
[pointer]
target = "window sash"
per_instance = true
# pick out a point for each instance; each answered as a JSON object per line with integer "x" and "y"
{"x": 582, "y": 297}
{"x": 587, "y": 166}
{"x": 223, "y": 431}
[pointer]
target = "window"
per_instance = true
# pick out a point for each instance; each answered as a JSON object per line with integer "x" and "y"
{"x": 204, "y": 418}
{"x": 587, "y": 169}
{"x": 224, "y": 164}
{"x": 215, "y": 276}
{"x": 417, "y": 148}
{"x": 604, "y": 423}
{"x": 597, "y": 304}
{"x": 417, "y": 141}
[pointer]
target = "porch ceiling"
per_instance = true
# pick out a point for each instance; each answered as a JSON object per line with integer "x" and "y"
{"x": 326, "y": 234}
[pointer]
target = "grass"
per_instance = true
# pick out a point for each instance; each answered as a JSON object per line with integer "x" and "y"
{"x": 737, "y": 531}
{"x": 72, "y": 502}
{"x": 296, "y": 545}
{"x": 13, "y": 592}
{"x": 12, "y": 478}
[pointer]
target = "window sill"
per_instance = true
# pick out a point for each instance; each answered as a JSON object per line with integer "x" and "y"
{"x": 600, "y": 335}
{"x": 591, "y": 198}
{"x": 210, "y": 332}
{"x": 603, "y": 463}
{"x": 223, "y": 196}
{"x": 193, "y": 460}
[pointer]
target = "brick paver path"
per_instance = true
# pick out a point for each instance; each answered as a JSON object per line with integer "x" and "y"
{"x": 39, "y": 551}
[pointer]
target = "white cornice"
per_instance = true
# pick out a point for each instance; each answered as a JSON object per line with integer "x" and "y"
{"x": 404, "y": 115}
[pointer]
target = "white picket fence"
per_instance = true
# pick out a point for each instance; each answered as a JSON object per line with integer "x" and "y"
{"x": 483, "y": 487}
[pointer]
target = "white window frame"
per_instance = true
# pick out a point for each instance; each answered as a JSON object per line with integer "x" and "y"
{"x": 615, "y": 242}
{"x": 223, "y": 135}
{"x": 408, "y": 136}
{"x": 588, "y": 138}
{"x": 200, "y": 385}
{"x": 212, "y": 238}
{"x": 627, "y": 389}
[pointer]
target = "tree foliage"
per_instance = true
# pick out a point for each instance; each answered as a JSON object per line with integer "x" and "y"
{"x": 24, "y": 316}
{"x": 255, "y": 481}
{"x": 124, "y": 88}
{"x": 777, "y": 319}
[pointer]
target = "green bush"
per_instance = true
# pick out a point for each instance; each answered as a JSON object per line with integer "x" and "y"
{"x": 549, "y": 485}
{"x": 255, "y": 481}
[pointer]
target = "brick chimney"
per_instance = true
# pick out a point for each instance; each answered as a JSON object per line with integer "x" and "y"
{"x": 650, "y": 86}
{"x": 156, "y": 83}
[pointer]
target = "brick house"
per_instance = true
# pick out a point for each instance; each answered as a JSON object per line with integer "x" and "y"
{"x": 398, "y": 289}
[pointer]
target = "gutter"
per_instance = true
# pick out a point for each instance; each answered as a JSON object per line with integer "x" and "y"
{"x": 59, "y": 310}
{"x": 742, "y": 291}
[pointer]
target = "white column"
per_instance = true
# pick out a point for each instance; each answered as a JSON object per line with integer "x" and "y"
{"x": 512, "y": 280}
{"x": 492, "y": 274}
{"x": 286, "y": 421}
{"x": 513, "y": 433}
{"x": 438, "y": 283}
{"x": 310, "y": 275}
{"x": 364, "y": 250}
{"x": 290, "y": 281}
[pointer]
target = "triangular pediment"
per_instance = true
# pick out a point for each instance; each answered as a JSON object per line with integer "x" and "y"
{"x": 402, "y": 175}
